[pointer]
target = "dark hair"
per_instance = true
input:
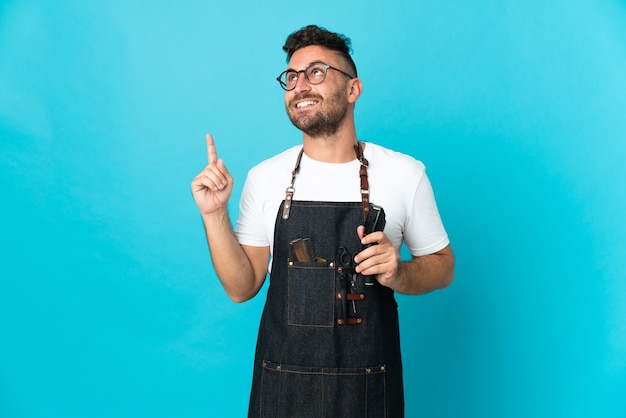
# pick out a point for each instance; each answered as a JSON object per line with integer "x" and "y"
{"x": 315, "y": 35}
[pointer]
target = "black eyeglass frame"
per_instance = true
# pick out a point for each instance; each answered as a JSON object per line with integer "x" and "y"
{"x": 306, "y": 77}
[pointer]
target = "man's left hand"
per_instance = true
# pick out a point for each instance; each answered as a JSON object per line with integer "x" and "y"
{"x": 380, "y": 260}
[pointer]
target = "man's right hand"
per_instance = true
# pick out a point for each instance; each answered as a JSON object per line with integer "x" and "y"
{"x": 213, "y": 187}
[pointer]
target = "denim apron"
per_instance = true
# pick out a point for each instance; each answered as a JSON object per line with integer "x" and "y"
{"x": 328, "y": 344}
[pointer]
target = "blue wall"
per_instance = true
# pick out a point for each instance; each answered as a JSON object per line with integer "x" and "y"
{"x": 108, "y": 303}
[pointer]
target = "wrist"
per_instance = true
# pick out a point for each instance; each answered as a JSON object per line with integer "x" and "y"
{"x": 216, "y": 216}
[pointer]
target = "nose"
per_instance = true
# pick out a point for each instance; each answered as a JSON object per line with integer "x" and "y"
{"x": 301, "y": 83}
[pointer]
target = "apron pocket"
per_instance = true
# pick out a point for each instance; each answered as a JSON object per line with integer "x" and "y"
{"x": 322, "y": 392}
{"x": 311, "y": 294}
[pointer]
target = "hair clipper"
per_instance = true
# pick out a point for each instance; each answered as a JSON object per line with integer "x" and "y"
{"x": 375, "y": 222}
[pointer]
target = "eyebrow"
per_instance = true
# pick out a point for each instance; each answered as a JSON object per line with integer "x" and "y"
{"x": 308, "y": 65}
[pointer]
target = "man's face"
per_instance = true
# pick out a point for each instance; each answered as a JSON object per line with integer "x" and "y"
{"x": 318, "y": 110}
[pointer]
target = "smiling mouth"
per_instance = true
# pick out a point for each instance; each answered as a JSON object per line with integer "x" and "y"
{"x": 306, "y": 103}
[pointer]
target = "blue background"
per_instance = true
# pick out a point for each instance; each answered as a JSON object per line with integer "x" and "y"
{"x": 108, "y": 303}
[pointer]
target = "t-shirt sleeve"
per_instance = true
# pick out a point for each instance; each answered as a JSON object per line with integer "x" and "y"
{"x": 249, "y": 229}
{"x": 424, "y": 232}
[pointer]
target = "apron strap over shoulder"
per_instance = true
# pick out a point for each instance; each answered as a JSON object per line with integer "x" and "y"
{"x": 290, "y": 189}
{"x": 365, "y": 187}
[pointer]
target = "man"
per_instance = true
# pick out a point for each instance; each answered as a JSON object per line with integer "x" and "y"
{"x": 328, "y": 342}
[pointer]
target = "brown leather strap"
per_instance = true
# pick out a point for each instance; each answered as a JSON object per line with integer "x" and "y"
{"x": 365, "y": 187}
{"x": 290, "y": 189}
{"x": 352, "y": 296}
{"x": 349, "y": 321}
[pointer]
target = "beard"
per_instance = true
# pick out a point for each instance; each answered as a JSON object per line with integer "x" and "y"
{"x": 326, "y": 120}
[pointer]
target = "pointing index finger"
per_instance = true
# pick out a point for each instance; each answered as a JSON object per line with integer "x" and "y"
{"x": 211, "y": 150}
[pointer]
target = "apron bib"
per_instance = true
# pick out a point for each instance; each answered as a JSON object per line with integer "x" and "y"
{"x": 328, "y": 344}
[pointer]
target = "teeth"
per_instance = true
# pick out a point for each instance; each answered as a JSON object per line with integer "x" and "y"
{"x": 305, "y": 103}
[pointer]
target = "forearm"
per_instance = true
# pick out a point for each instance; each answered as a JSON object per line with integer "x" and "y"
{"x": 425, "y": 273}
{"x": 234, "y": 269}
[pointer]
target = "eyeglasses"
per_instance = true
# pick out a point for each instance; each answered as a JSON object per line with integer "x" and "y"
{"x": 315, "y": 73}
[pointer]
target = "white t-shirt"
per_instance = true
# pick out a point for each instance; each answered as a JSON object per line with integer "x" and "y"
{"x": 397, "y": 182}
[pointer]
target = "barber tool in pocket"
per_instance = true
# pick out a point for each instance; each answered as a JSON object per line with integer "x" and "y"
{"x": 302, "y": 250}
{"x": 375, "y": 222}
{"x": 348, "y": 287}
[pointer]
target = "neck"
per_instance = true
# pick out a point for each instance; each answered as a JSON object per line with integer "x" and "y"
{"x": 337, "y": 148}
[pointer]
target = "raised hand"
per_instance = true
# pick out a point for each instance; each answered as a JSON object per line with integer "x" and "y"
{"x": 213, "y": 187}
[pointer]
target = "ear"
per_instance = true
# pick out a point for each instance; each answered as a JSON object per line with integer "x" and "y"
{"x": 356, "y": 87}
